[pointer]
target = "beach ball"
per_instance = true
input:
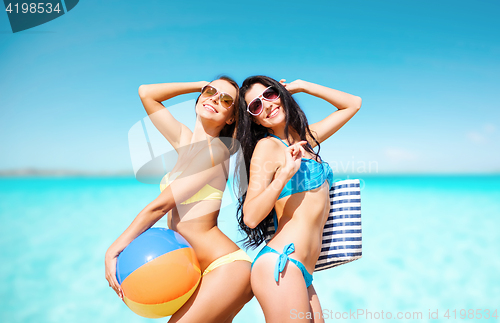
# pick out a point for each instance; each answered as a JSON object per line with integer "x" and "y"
{"x": 158, "y": 272}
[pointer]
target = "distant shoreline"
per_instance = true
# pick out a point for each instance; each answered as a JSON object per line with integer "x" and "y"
{"x": 30, "y": 172}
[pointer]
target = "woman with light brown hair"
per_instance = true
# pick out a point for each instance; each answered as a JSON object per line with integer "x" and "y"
{"x": 191, "y": 195}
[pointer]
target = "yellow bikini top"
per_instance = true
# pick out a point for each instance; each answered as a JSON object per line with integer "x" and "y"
{"x": 207, "y": 192}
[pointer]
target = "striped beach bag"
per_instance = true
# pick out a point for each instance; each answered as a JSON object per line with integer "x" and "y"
{"x": 342, "y": 231}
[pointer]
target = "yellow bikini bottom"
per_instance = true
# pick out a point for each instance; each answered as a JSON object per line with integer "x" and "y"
{"x": 229, "y": 258}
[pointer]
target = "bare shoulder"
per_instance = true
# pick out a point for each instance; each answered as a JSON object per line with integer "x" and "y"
{"x": 220, "y": 152}
{"x": 269, "y": 149}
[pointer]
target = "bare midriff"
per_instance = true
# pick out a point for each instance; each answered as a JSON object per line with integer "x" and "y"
{"x": 201, "y": 231}
{"x": 301, "y": 218}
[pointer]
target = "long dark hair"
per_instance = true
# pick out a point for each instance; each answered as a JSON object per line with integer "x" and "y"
{"x": 228, "y": 133}
{"x": 249, "y": 133}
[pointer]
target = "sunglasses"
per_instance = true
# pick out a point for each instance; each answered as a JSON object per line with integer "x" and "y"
{"x": 226, "y": 101}
{"x": 256, "y": 106}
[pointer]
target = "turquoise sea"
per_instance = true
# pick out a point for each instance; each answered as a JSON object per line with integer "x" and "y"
{"x": 430, "y": 243}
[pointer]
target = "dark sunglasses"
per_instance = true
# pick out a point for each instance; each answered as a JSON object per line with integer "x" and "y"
{"x": 256, "y": 106}
{"x": 226, "y": 101}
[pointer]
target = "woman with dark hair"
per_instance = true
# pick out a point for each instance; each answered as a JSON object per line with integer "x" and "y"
{"x": 288, "y": 185}
{"x": 192, "y": 194}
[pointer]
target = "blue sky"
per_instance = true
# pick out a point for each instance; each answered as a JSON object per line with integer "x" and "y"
{"x": 427, "y": 72}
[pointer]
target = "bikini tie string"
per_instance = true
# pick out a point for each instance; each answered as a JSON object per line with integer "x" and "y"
{"x": 282, "y": 260}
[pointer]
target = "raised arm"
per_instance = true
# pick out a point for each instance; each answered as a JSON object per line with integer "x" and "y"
{"x": 269, "y": 173}
{"x": 153, "y": 94}
{"x": 347, "y": 105}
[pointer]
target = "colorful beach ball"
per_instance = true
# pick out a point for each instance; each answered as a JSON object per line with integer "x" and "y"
{"x": 158, "y": 272}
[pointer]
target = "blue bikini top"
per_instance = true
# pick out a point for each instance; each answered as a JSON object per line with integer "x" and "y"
{"x": 311, "y": 175}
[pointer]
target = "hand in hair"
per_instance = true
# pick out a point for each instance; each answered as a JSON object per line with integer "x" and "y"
{"x": 293, "y": 87}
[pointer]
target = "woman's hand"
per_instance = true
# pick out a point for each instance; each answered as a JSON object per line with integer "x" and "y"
{"x": 293, "y": 158}
{"x": 110, "y": 264}
{"x": 293, "y": 87}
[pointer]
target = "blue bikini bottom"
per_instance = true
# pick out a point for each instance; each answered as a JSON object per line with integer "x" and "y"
{"x": 282, "y": 260}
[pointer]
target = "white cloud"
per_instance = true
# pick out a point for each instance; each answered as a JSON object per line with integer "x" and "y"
{"x": 476, "y": 137}
{"x": 489, "y": 128}
{"x": 483, "y": 135}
